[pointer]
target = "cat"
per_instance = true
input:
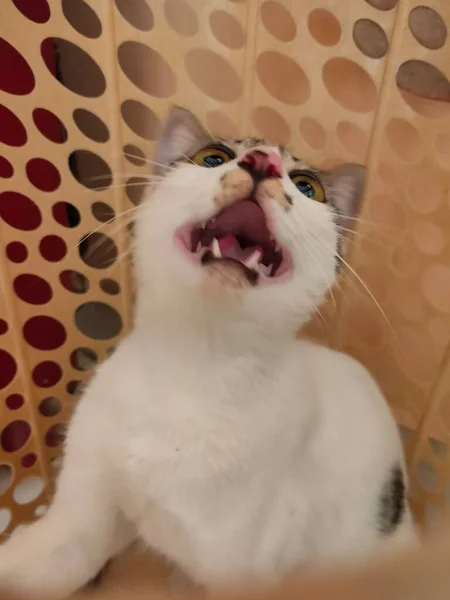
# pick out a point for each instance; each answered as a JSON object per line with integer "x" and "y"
{"x": 212, "y": 434}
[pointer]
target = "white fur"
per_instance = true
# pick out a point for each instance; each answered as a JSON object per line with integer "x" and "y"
{"x": 212, "y": 434}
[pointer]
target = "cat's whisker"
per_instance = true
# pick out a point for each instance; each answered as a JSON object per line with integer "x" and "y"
{"x": 151, "y": 162}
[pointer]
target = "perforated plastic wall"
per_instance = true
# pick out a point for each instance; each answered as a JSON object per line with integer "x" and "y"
{"x": 84, "y": 87}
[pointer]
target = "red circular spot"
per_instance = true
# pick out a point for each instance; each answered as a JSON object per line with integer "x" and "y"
{"x": 74, "y": 282}
{"x": 3, "y": 326}
{"x": 53, "y": 248}
{"x": 12, "y": 132}
{"x": 47, "y": 374}
{"x": 16, "y": 77}
{"x": 49, "y": 125}
{"x": 43, "y": 175}
{"x": 8, "y": 368}
{"x": 28, "y": 460}
{"x": 15, "y": 435}
{"x": 32, "y": 289}
{"x": 6, "y": 168}
{"x": 19, "y": 211}
{"x": 14, "y": 401}
{"x": 35, "y": 10}
{"x": 16, "y": 252}
{"x": 55, "y": 435}
{"x": 44, "y": 333}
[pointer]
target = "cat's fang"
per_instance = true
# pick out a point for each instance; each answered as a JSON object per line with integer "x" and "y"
{"x": 216, "y": 248}
{"x": 253, "y": 261}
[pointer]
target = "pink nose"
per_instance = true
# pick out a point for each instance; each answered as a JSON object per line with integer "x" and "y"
{"x": 260, "y": 162}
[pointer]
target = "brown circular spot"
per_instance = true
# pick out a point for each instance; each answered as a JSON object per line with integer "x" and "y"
{"x": 82, "y": 18}
{"x": 97, "y": 250}
{"x": 313, "y": 132}
{"x": 86, "y": 78}
{"x": 428, "y": 27}
{"x": 383, "y": 4}
{"x": 350, "y": 85}
{"x": 66, "y": 214}
{"x": 138, "y": 13}
{"x": 17, "y": 252}
{"x": 19, "y": 211}
{"x": 436, "y": 287}
{"x": 424, "y": 191}
{"x": 425, "y": 107}
{"x": 8, "y": 368}
{"x": 6, "y": 168}
{"x": 46, "y": 374}
{"x": 134, "y": 155}
{"x": 324, "y": 27}
{"x": 16, "y": 76}
{"x": 44, "y": 333}
{"x": 74, "y": 282}
{"x": 429, "y": 238}
{"x": 98, "y": 320}
{"x": 32, "y": 289}
{"x": 221, "y": 125}
{"x": 37, "y": 11}
{"x": 52, "y": 248}
{"x": 134, "y": 59}
{"x": 90, "y": 125}
{"x": 28, "y": 460}
{"x": 282, "y": 77}
{"x": 404, "y": 140}
{"x": 135, "y": 189}
{"x": 213, "y": 75}
{"x": 50, "y": 125}
{"x": 385, "y": 211}
{"x": 15, "y": 435}
{"x": 278, "y": 21}
{"x": 353, "y": 138}
{"x": 12, "y": 131}
{"x": 109, "y": 286}
{"x": 103, "y": 212}
{"x": 443, "y": 149}
{"x": 43, "y": 174}
{"x": 226, "y": 29}
{"x": 370, "y": 38}
{"x": 83, "y": 359}
{"x": 14, "y": 401}
{"x": 141, "y": 119}
{"x": 271, "y": 125}
{"x": 181, "y": 17}
{"x": 423, "y": 80}
{"x": 55, "y": 436}
{"x": 6, "y": 477}
{"x": 90, "y": 170}
{"x": 50, "y": 407}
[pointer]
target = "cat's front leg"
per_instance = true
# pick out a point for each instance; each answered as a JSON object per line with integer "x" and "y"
{"x": 82, "y": 529}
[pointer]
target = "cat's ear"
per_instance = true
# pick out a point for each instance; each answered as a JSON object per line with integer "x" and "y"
{"x": 181, "y": 136}
{"x": 345, "y": 188}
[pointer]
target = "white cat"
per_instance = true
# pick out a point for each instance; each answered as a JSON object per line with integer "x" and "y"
{"x": 213, "y": 434}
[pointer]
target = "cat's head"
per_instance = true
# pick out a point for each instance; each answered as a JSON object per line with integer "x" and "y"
{"x": 241, "y": 225}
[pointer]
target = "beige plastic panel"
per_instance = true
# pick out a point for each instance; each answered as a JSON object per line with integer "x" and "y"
{"x": 319, "y": 77}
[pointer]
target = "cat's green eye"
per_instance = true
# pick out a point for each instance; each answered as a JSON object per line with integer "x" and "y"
{"x": 213, "y": 156}
{"x": 308, "y": 185}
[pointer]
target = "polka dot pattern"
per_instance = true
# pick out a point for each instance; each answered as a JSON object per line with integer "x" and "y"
{"x": 304, "y": 75}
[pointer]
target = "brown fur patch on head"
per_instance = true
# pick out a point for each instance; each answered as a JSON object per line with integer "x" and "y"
{"x": 233, "y": 186}
{"x": 273, "y": 189}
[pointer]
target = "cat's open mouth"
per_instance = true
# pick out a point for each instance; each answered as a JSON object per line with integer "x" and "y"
{"x": 238, "y": 236}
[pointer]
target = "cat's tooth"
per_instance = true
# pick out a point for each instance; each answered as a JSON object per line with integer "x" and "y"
{"x": 252, "y": 261}
{"x": 216, "y": 248}
{"x": 199, "y": 247}
{"x": 265, "y": 270}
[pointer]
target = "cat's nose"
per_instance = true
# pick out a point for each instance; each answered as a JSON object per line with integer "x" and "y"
{"x": 261, "y": 164}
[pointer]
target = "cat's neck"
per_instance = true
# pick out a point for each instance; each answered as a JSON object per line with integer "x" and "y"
{"x": 185, "y": 328}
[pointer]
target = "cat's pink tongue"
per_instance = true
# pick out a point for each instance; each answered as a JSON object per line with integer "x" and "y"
{"x": 230, "y": 248}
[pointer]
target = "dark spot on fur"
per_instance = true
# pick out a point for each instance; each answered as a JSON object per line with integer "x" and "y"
{"x": 288, "y": 198}
{"x": 392, "y": 501}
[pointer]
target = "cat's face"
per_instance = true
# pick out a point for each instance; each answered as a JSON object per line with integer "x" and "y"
{"x": 241, "y": 220}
